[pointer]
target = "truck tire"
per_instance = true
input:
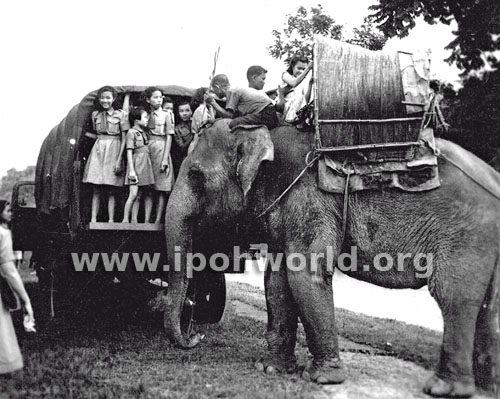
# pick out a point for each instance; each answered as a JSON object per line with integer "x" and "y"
{"x": 210, "y": 297}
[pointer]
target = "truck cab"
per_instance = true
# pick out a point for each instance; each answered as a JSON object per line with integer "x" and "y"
{"x": 24, "y": 226}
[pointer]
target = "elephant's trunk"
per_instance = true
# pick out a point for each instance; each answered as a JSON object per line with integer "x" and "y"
{"x": 181, "y": 210}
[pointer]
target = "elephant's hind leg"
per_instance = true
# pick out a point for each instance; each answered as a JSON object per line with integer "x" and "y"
{"x": 486, "y": 356}
{"x": 453, "y": 377}
{"x": 460, "y": 297}
{"x": 282, "y": 322}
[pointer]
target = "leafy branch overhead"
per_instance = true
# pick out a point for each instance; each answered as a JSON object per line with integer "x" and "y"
{"x": 300, "y": 29}
{"x": 478, "y": 22}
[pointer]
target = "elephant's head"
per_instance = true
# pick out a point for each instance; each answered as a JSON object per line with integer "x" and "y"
{"x": 207, "y": 201}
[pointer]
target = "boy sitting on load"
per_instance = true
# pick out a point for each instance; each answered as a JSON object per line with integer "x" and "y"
{"x": 251, "y": 103}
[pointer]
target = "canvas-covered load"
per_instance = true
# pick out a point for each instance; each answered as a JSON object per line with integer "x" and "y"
{"x": 54, "y": 181}
{"x": 367, "y": 97}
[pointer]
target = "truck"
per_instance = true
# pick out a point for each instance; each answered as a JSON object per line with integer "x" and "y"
{"x": 52, "y": 219}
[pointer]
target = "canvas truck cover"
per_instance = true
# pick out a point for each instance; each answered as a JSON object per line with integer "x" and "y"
{"x": 54, "y": 168}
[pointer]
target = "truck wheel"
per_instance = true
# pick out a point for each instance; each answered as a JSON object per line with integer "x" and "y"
{"x": 210, "y": 297}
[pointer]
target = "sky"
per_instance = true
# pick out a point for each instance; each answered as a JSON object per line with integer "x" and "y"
{"x": 55, "y": 52}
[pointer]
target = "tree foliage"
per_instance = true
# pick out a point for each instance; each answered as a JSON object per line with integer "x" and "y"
{"x": 478, "y": 22}
{"x": 298, "y": 34}
{"x": 368, "y": 36}
{"x": 12, "y": 177}
{"x": 474, "y": 113}
{"x": 300, "y": 29}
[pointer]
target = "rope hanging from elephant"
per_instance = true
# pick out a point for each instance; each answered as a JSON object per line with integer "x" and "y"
{"x": 345, "y": 208}
{"x": 308, "y": 165}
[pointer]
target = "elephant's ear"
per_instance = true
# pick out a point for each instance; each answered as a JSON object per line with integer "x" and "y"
{"x": 254, "y": 146}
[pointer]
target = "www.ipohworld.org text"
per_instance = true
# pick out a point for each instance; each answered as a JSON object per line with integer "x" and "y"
{"x": 422, "y": 263}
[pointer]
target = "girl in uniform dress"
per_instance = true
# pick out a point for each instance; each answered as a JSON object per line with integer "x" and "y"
{"x": 161, "y": 130}
{"x": 139, "y": 169}
{"x": 10, "y": 355}
{"x": 104, "y": 166}
{"x": 203, "y": 112}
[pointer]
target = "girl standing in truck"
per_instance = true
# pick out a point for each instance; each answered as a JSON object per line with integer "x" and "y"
{"x": 139, "y": 169}
{"x": 105, "y": 164}
{"x": 161, "y": 130}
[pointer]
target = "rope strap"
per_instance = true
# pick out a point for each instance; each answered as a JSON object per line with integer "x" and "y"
{"x": 308, "y": 165}
{"x": 346, "y": 207}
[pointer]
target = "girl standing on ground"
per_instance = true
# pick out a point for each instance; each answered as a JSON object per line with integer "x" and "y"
{"x": 10, "y": 355}
{"x": 139, "y": 169}
{"x": 104, "y": 166}
{"x": 161, "y": 130}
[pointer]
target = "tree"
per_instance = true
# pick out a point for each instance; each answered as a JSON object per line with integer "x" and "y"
{"x": 478, "y": 22}
{"x": 368, "y": 36}
{"x": 298, "y": 35}
{"x": 300, "y": 29}
{"x": 12, "y": 177}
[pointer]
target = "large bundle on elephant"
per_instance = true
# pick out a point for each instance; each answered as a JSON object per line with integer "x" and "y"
{"x": 367, "y": 97}
{"x": 56, "y": 176}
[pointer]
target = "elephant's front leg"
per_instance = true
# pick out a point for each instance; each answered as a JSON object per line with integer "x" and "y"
{"x": 282, "y": 321}
{"x": 312, "y": 291}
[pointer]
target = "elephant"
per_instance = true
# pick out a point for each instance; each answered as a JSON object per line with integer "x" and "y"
{"x": 226, "y": 184}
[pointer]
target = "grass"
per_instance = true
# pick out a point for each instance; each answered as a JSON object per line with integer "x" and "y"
{"x": 395, "y": 338}
{"x": 122, "y": 351}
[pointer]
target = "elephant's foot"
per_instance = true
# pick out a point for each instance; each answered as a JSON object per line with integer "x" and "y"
{"x": 277, "y": 364}
{"x": 327, "y": 371}
{"x": 485, "y": 371}
{"x": 437, "y": 387}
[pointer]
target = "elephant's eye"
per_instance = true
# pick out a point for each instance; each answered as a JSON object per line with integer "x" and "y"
{"x": 196, "y": 174}
{"x": 196, "y": 180}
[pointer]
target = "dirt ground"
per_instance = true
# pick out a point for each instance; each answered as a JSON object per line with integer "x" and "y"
{"x": 371, "y": 373}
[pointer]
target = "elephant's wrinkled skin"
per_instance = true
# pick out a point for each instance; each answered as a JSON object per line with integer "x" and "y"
{"x": 225, "y": 180}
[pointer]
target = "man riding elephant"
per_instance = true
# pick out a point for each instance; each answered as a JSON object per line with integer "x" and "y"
{"x": 251, "y": 104}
